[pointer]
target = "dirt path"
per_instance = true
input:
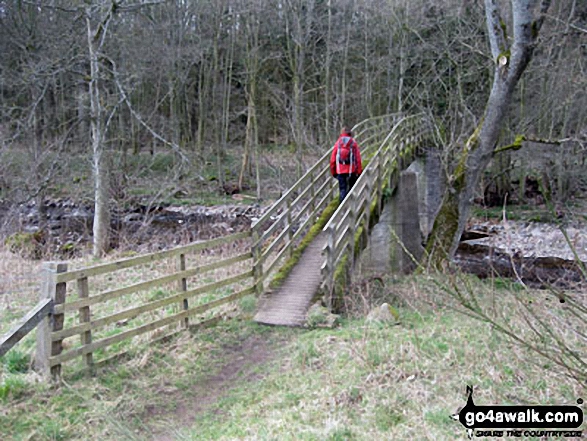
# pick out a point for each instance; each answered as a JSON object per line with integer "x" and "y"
{"x": 239, "y": 364}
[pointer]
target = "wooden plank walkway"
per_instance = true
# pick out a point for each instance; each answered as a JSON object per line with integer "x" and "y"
{"x": 288, "y": 305}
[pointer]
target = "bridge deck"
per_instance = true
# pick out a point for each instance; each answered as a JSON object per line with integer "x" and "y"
{"x": 288, "y": 305}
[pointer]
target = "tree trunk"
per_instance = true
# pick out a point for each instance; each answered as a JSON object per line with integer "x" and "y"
{"x": 226, "y": 97}
{"x": 328, "y": 76}
{"x": 101, "y": 212}
{"x": 298, "y": 39}
{"x": 510, "y": 63}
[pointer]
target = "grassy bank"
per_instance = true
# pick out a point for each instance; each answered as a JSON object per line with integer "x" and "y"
{"x": 239, "y": 380}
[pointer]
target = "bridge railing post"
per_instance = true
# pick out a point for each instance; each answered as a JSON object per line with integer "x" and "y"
{"x": 312, "y": 192}
{"x": 351, "y": 232}
{"x": 257, "y": 262}
{"x": 330, "y": 252}
{"x": 379, "y": 184}
{"x": 290, "y": 231}
{"x": 369, "y": 199}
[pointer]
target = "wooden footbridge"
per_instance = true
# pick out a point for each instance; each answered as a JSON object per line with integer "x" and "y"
{"x": 90, "y": 315}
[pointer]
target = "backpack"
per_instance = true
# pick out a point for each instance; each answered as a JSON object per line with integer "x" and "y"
{"x": 344, "y": 154}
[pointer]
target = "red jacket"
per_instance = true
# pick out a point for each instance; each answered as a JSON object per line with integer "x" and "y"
{"x": 355, "y": 166}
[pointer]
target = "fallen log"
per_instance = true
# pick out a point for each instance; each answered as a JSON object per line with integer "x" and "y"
{"x": 539, "y": 272}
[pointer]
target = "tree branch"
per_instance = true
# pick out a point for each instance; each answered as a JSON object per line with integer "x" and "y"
{"x": 141, "y": 121}
{"x": 496, "y": 29}
{"x": 137, "y": 6}
{"x": 526, "y": 32}
{"x": 517, "y": 144}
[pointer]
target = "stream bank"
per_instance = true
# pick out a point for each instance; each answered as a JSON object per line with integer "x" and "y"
{"x": 66, "y": 229}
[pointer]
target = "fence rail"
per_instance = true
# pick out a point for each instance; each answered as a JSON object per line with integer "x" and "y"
{"x": 25, "y": 325}
{"x": 108, "y": 305}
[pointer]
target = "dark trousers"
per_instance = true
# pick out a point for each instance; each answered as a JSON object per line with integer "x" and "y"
{"x": 345, "y": 183}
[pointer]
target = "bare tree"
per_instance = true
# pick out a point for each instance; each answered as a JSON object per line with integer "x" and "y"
{"x": 98, "y": 18}
{"x": 511, "y": 55}
{"x": 215, "y": 75}
{"x": 299, "y": 22}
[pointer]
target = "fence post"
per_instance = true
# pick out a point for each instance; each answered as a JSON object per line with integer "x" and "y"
{"x": 46, "y": 348}
{"x": 83, "y": 292}
{"x": 183, "y": 287}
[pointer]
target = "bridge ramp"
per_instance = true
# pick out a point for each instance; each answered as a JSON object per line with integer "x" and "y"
{"x": 288, "y": 305}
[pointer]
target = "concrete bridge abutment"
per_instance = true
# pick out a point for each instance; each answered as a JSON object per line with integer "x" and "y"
{"x": 396, "y": 241}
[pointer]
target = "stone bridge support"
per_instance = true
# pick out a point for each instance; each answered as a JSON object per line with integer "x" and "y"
{"x": 396, "y": 242}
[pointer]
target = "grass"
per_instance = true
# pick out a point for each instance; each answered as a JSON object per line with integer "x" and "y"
{"x": 196, "y": 180}
{"x": 15, "y": 361}
{"x": 525, "y": 213}
{"x": 360, "y": 381}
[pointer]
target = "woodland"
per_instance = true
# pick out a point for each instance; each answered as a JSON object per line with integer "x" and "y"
{"x": 107, "y": 82}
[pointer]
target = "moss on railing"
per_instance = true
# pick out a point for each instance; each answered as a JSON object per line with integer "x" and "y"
{"x": 308, "y": 238}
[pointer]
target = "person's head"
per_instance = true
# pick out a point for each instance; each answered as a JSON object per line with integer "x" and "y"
{"x": 346, "y": 131}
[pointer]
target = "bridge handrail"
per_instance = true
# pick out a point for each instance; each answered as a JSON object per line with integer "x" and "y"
{"x": 358, "y": 131}
{"x": 279, "y": 230}
{"x": 324, "y": 159}
{"x": 384, "y": 148}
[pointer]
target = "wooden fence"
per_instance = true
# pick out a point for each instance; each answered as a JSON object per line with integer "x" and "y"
{"x": 92, "y": 314}
{"x": 29, "y": 322}
{"x": 107, "y": 305}
{"x": 395, "y": 151}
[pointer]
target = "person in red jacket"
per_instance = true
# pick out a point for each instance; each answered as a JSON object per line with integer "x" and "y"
{"x": 345, "y": 162}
